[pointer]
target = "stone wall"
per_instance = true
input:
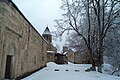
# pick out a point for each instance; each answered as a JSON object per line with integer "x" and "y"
{"x": 20, "y": 41}
{"x": 50, "y": 56}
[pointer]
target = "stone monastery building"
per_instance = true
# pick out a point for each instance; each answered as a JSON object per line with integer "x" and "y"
{"x": 22, "y": 49}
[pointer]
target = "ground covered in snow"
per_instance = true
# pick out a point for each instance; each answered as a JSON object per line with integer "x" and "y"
{"x": 68, "y": 72}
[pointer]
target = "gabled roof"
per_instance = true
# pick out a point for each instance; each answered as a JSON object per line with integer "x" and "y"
{"x": 47, "y": 31}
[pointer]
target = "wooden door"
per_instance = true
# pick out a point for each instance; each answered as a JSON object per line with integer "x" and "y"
{"x": 8, "y": 67}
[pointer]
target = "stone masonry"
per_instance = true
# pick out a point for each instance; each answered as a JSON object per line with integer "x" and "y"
{"x": 22, "y": 48}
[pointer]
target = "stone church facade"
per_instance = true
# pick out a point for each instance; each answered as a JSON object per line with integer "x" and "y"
{"x": 22, "y": 49}
{"x": 51, "y": 50}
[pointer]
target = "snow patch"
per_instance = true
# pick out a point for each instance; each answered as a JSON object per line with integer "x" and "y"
{"x": 107, "y": 69}
{"x": 69, "y": 71}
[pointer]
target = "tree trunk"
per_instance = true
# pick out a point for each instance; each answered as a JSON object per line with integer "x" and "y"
{"x": 100, "y": 55}
{"x": 92, "y": 60}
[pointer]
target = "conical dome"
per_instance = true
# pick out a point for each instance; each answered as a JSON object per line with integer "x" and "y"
{"x": 47, "y": 35}
{"x": 47, "y": 31}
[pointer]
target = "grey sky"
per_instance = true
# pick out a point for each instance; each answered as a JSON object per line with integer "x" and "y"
{"x": 41, "y": 13}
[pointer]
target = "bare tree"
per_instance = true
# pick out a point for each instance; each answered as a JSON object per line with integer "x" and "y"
{"x": 112, "y": 49}
{"x": 106, "y": 12}
{"x": 95, "y": 17}
{"x": 76, "y": 42}
{"x": 75, "y": 15}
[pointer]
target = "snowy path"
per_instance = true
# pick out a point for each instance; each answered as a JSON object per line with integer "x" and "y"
{"x": 75, "y": 72}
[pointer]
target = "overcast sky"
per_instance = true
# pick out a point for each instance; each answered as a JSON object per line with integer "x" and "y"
{"x": 41, "y": 13}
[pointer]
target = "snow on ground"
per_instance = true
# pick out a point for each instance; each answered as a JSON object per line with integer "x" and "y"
{"x": 109, "y": 69}
{"x": 68, "y": 72}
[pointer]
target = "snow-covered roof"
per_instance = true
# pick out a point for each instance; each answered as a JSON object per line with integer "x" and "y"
{"x": 65, "y": 53}
{"x": 47, "y": 31}
{"x": 50, "y": 51}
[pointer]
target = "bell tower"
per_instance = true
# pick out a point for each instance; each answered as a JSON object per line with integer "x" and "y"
{"x": 47, "y": 35}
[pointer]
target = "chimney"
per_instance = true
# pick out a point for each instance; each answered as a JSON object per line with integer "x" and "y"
{"x": 65, "y": 48}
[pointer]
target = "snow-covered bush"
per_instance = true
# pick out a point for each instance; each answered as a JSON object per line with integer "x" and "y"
{"x": 109, "y": 69}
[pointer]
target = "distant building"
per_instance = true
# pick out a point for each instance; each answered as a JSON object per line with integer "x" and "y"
{"x": 71, "y": 55}
{"x": 61, "y": 58}
{"x": 75, "y": 56}
{"x": 51, "y": 56}
{"x": 81, "y": 58}
{"x": 51, "y": 50}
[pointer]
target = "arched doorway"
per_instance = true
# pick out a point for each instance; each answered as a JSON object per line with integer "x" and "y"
{"x": 10, "y": 62}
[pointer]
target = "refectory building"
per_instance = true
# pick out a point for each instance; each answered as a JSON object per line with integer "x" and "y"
{"x": 22, "y": 49}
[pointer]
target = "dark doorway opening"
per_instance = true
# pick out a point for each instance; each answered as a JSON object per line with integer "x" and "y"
{"x": 8, "y": 68}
